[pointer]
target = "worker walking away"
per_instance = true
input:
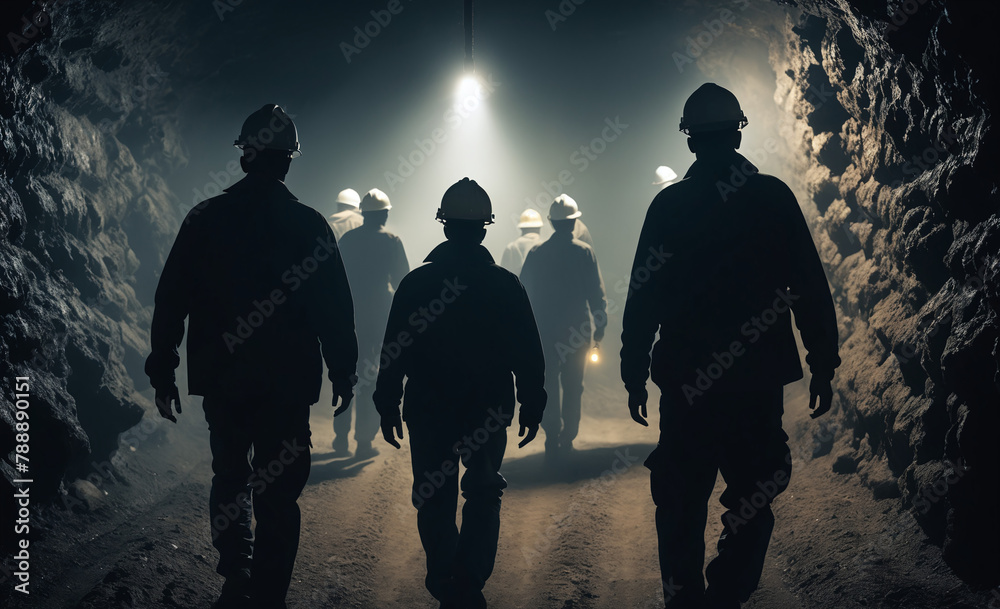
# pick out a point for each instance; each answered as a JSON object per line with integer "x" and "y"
{"x": 459, "y": 327}
{"x": 530, "y": 224}
{"x": 376, "y": 263}
{"x": 260, "y": 279}
{"x": 563, "y": 280}
{"x": 346, "y": 217}
{"x": 723, "y": 258}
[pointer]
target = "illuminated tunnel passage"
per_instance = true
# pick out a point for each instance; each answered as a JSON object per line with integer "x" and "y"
{"x": 117, "y": 124}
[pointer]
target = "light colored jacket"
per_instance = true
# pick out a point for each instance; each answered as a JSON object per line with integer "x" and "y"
{"x": 517, "y": 250}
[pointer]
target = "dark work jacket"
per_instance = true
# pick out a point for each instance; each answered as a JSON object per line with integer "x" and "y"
{"x": 721, "y": 255}
{"x": 562, "y": 279}
{"x": 260, "y": 279}
{"x": 375, "y": 262}
{"x": 458, "y": 328}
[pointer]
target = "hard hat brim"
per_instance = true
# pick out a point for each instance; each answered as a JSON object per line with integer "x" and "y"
{"x": 530, "y": 224}
{"x": 572, "y": 216}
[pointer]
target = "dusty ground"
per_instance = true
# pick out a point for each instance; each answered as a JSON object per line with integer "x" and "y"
{"x": 585, "y": 540}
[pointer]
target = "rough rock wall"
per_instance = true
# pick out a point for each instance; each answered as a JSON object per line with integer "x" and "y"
{"x": 86, "y": 134}
{"x": 891, "y": 106}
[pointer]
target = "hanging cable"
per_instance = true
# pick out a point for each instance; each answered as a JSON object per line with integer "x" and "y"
{"x": 470, "y": 63}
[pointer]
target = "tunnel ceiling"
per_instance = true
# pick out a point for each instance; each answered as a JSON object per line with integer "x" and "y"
{"x": 886, "y": 116}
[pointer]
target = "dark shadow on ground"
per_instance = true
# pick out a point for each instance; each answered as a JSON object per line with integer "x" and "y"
{"x": 578, "y": 465}
{"x": 343, "y": 467}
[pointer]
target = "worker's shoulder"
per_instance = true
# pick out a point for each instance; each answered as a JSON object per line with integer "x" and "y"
{"x": 772, "y": 183}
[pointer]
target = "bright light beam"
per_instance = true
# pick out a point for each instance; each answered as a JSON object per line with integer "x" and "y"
{"x": 469, "y": 86}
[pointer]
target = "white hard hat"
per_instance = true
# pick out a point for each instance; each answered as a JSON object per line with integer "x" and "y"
{"x": 375, "y": 200}
{"x": 349, "y": 196}
{"x": 564, "y": 208}
{"x": 530, "y": 219}
{"x": 466, "y": 200}
{"x": 664, "y": 175}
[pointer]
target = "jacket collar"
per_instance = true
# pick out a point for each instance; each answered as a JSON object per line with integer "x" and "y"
{"x": 261, "y": 185}
{"x": 450, "y": 252}
{"x": 721, "y": 165}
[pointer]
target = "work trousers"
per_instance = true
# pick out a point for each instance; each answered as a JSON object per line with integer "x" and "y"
{"x": 738, "y": 434}
{"x": 260, "y": 458}
{"x": 367, "y": 421}
{"x": 458, "y": 560}
{"x": 564, "y": 367}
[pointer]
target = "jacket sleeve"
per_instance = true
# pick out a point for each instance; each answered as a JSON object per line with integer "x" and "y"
{"x": 389, "y": 385}
{"x": 640, "y": 320}
{"x": 332, "y": 312}
{"x": 528, "y": 361}
{"x": 172, "y": 304}
{"x": 400, "y": 265}
{"x": 812, "y": 303}
{"x": 596, "y": 297}
{"x": 507, "y": 259}
{"x": 528, "y": 272}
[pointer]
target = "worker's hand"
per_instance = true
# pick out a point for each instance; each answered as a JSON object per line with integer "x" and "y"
{"x": 598, "y": 334}
{"x": 391, "y": 425}
{"x": 166, "y": 397}
{"x": 532, "y": 431}
{"x": 821, "y": 391}
{"x": 345, "y": 396}
{"x": 637, "y": 406}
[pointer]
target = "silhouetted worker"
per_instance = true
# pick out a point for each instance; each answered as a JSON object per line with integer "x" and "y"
{"x": 722, "y": 257}
{"x": 562, "y": 279}
{"x": 376, "y": 263}
{"x": 346, "y": 217}
{"x": 260, "y": 279}
{"x": 459, "y": 327}
{"x": 530, "y": 224}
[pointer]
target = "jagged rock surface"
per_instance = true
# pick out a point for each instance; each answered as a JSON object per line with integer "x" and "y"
{"x": 900, "y": 161}
{"x": 85, "y": 138}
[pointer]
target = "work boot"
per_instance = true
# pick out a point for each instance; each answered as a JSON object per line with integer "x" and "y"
{"x": 366, "y": 450}
{"x": 235, "y": 591}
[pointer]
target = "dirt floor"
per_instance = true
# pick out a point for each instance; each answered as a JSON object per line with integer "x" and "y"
{"x": 584, "y": 538}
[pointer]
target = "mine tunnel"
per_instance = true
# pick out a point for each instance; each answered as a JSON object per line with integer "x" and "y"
{"x": 118, "y": 122}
